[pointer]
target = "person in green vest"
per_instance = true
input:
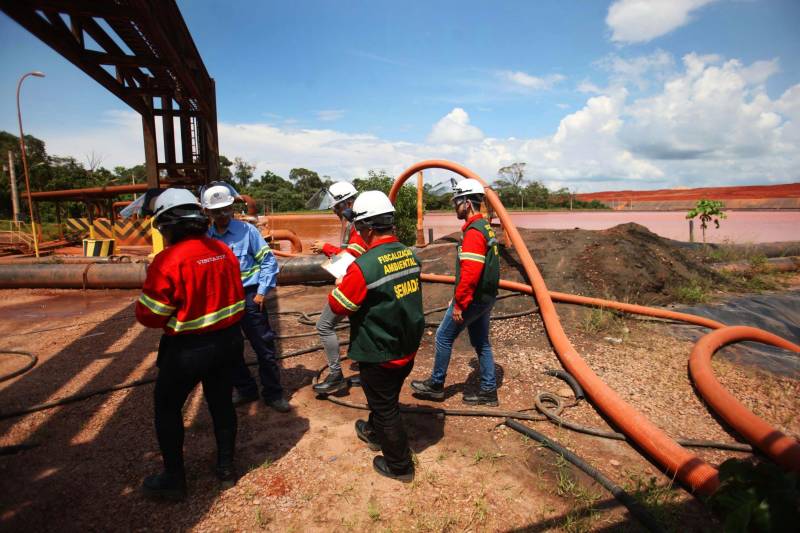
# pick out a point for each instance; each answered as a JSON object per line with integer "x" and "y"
{"x": 382, "y": 294}
{"x": 477, "y": 278}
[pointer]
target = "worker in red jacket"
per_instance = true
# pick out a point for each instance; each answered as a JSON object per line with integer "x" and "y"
{"x": 343, "y": 194}
{"x": 477, "y": 279}
{"x": 382, "y": 294}
{"x": 193, "y": 292}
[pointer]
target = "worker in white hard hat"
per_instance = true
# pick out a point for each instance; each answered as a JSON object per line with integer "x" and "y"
{"x": 343, "y": 194}
{"x": 475, "y": 293}
{"x": 259, "y": 275}
{"x": 193, "y": 293}
{"x": 382, "y": 294}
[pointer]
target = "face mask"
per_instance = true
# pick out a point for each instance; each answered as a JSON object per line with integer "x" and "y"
{"x": 348, "y": 214}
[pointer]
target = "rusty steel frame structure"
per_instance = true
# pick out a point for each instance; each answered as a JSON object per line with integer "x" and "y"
{"x": 141, "y": 51}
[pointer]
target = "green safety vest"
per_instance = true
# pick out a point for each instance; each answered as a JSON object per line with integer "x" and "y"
{"x": 486, "y": 290}
{"x": 390, "y": 322}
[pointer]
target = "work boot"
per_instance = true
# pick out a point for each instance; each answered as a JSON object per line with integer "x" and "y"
{"x": 226, "y": 475}
{"x": 165, "y": 486}
{"x": 380, "y": 466}
{"x": 355, "y": 381}
{"x": 225, "y": 472}
{"x": 333, "y": 383}
{"x": 428, "y": 389}
{"x": 365, "y": 432}
{"x": 241, "y": 399}
{"x": 483, "y": 397}
{"x": 279, "y": 404}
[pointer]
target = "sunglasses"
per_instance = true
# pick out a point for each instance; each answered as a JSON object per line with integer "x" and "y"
{"x": 225, "y": 211}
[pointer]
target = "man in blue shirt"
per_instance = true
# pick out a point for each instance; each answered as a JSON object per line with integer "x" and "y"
{"x": 259, "y": 271}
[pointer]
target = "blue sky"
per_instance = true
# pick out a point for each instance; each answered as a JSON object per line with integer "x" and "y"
{"x": 630, "y": 94}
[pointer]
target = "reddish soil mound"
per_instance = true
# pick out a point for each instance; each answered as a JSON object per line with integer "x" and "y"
{"x": 789, "y": 190}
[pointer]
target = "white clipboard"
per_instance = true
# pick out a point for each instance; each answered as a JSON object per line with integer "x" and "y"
{"x": 337, "y": 264}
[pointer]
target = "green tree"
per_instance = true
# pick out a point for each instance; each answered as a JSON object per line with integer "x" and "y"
{"x": 707, "y": 211}
{"x": 224, "y": 172}
{"x": 275, "y": 193}
{"x": 242, "y": 171}
{"x": 509, "y": 184}
{"x": 405, "y": 205}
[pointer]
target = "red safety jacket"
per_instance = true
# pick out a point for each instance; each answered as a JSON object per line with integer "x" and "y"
{"x": 473, "y": 248}
{"x": 353, "y": 245}
{"x": 192, "y": 287}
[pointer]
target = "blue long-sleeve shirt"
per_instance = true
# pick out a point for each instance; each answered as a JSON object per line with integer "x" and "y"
{"x": 256, "y": 261}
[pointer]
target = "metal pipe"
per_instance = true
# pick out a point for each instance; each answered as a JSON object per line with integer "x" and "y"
{"x": 252, "y": 209}
{"x": 61, "y": 276}
{"x": 106, "y": 275}
{"x": 64, "y": 259}
{"x": 286, "y": 235}
{"x": 107, "y": 191}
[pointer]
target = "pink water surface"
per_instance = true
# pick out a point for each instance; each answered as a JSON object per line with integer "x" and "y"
{"x": 740, "y": 226}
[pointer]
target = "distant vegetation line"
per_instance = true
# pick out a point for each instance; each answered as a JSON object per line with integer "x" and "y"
{"x": 272, "y": 192}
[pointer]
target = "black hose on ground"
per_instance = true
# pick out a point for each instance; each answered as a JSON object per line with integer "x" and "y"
{"x": 32, "y": 360}
{"x": 571, "y": 381}
{"x": 635, "y": 508}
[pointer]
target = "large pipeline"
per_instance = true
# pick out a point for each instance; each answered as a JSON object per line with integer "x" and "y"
{"x": 695, "y": 473}
{"x": 293, "y": 270}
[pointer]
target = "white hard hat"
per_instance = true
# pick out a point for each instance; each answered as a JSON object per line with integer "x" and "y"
{"x": 467, "y": 187}
{"x": 172, "y": 198}
{"x": 341, "y": 191}
{"x": 217, "y": 197}
{"x": 371, "y": 204}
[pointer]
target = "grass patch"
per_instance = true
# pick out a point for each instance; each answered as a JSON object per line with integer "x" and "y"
{"x": 582, "y": 513}
{"x": 601, "y": 320}
{"x": 694, "y": 292}
{"x": 660, "y": 500}
{"x": 482, "y": 455}
{"x": 262, "y": 519}
{"x": 373, "y": 512}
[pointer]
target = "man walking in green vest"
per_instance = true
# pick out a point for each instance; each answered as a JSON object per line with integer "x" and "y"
{"x": 477, "y": 278}
{"x": 382, "y": 294}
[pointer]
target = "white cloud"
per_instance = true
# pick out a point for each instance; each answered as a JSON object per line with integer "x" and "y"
{"x": 117, "y": 139}
{"x": 330, "y": 115}
{"x": 522, "y": 80}
{"x": 640, "y": 71}
{"x": 454, "y": 128}
{"x": 638, "y": 21}
{"x": 707, "y": 121}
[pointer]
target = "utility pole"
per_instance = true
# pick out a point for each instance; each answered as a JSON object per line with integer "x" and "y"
{"x": 12, "y": 177}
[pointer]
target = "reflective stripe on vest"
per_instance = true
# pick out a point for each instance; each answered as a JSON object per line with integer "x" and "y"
{"x": 206, "y": 320}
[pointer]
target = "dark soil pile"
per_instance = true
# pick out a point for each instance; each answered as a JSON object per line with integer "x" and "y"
{"x": 628, "y": 263}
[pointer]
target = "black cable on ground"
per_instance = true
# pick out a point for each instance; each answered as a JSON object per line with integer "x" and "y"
{"x": 557, "y": 420}
{"x": 635, "y": 508}
{"x": 30, "y": 364}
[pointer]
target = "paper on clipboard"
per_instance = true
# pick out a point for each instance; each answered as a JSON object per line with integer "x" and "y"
{"x": 337, "y": 264}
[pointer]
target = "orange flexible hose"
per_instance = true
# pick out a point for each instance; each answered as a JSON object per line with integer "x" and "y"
{"x": 782, "y": 449}
{"x": 695, "y": 473}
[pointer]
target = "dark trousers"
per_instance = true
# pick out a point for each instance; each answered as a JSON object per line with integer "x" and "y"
{"x": 183, "y": 362}
{"x": 255, "y": 324}
{"x": 382, "y": 388}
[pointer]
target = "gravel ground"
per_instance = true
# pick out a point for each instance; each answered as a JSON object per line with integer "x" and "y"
{"x": 306, "y": 470}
